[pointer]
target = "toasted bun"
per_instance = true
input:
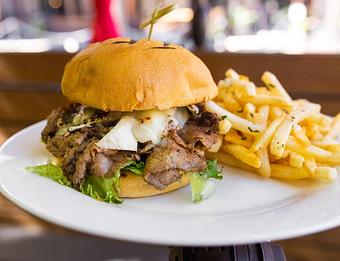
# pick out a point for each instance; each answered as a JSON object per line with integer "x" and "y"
{"x": 122, "y": 75}
{"x": 133, "y": 186}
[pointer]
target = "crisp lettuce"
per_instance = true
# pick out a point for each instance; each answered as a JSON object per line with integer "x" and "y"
{"x": 135, "y": 167}
{"x": 107, "y": 189}
{"x": 50, "y": 171}
{"x": 212, "y": 171}
{"x": 202, "y": 186}
{"x": 103, "y": 189}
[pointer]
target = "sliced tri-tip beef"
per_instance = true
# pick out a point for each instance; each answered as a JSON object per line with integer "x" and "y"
{"x": 168, "y": 162}
{"x": 200, "y": 132}
{"x": 58, "y": 117}
{"x": 58, "y": 146}
{"x": 182, "y": 151}
{"x": 99, "y": 162}
{"x": 70, "y": 158}
{"x": 52, "y": 124}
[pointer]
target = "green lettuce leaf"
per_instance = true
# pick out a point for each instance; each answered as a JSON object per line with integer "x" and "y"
{"x": 212, "y": 171}
{"x": 50, "y": 171}
{"x": 107, "y": 189}
{"x": 136, "y": 167}
{"x": 201, "y": 187}
{"x": 201, "y": 184}
{"x": 103, "y": 189}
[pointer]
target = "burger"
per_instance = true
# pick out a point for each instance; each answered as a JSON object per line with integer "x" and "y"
{"x": 136, "y": 125}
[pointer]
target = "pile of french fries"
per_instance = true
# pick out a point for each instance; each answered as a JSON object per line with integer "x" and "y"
{"x": 263, "y": 130}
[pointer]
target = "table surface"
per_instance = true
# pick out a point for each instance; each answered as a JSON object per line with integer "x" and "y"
{"x": 321, "y": 246}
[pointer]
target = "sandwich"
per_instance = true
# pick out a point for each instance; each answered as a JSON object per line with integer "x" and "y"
{"x": 136, "y": 125}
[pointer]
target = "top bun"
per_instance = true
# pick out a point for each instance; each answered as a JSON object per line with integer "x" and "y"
{"x": 120, "y": 74}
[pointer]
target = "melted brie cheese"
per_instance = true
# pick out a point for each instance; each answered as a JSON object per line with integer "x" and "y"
{"x": 120, "y": 137}
{"x": 143, "y": 126}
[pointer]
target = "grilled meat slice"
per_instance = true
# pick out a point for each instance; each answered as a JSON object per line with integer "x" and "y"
{"x": 167, "y": 163}
{"x": 58, "y": 146}
{"x": 52, "y": 124}
{"x": 99, "y": 162}
{"x": 200, "y": 132}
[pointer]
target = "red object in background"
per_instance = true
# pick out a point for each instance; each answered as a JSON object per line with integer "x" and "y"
{"x": 104, "y": 25}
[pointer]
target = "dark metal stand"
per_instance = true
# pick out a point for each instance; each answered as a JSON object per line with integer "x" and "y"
{"x": 253, "y": 252}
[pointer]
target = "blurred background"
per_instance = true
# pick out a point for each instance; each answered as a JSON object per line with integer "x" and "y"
{"x": 268, "y": 26}
{"x": 298, "y": 40}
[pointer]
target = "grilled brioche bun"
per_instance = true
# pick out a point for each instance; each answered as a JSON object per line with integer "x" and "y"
{"x": 133, "y": 186}
{"x": 122, "y": 75}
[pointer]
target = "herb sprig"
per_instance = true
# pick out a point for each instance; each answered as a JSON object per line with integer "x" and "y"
{"x": 157, "y": 14}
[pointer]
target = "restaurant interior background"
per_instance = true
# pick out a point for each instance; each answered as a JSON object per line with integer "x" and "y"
{"x": 295, "y": 39}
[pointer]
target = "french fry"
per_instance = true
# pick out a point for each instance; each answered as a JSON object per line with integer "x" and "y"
{"x": 303, "y": 112}
{"x": 314, "y": 108}
{"x": 310, "y": 151}
{"x": 288, "y": 172}
{"x": 314, "y": 133}
{"x": 264, "y": 169}
{"x": 227, "y": 159}
{"x": 264, "y": 111}
{"x": 261, "y": 117}
{"x": 324, "y": 130}
{"x": 229, "y": 102}
{"x": 243, "y": 154}
{"x": 238, "y": 123}
{"x": 265, "y": 100}
{"x": 249, "y": 111}
{"x": 296, "y": 160}
{"x": 300, "y": 136}
{"x": 276, "y": 112}
{"x": 239, "y": 138}
{"x": 264, "y": 139}
{"x": 244, "y": 77}
{"x": 280, "y": 138}
{"x": 326, "y": 121}
{"x": 333, "y": 160}
{"x": 314, "y": 119}
{"x": 310, "y": 165}
{"x": 249, "y": 108}
{"x": 224, "y": 126}
{"x": 238, "y": 87}
{"x": 320, "y": 119}
{"x": 243, "y": 87}
{"x": 285, "y": 154}
{"x": 278, "y": 143}
{"x": 263, "y": 91}
{"x": 256, "y": 118}
{"x": 275, "y": 86}
{"x": 335, "y": 128}
{"x": 326, "y": 173}
{"x": 333, "y": 147}
{"x": 230, "y": 73}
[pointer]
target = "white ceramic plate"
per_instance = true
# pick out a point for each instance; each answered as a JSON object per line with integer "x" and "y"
{"x": 244, "y": 209}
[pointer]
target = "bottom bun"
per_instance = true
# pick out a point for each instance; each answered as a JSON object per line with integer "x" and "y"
{"x": 133, "y": 186}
